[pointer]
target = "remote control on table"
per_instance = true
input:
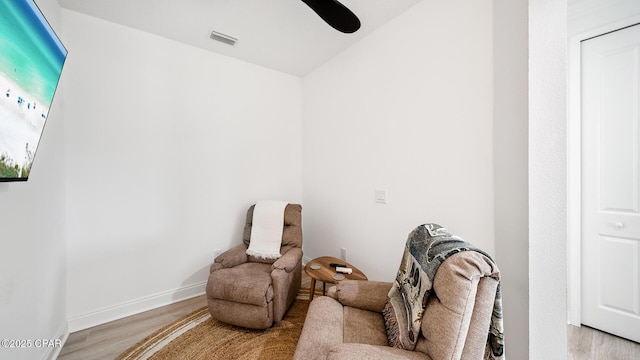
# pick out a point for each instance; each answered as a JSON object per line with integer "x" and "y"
{"x": 337, "y": 265}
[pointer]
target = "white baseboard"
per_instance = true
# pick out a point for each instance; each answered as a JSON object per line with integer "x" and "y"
{"x": 136, "y": 306}
{"x": 305, "y": 260}
{"x": 62, "y": 335}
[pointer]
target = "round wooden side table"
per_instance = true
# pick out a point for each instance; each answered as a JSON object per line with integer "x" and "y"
{"x": 319, "y": 269}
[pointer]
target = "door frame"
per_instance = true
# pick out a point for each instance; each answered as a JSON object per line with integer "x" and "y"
{"x": 574, "y": 159}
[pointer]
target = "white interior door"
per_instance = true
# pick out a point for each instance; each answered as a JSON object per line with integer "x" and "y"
{"x": 610, "y": 98}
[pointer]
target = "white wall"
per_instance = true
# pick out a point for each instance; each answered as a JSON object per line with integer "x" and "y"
{"x": 166, "y": 145}
{"x": 547, "y": 179}
{"x": 32, "y": 240}
{"x": 372, "y": 118}
{"x": 510, "y": 152}
{"x": 407, "y": 109}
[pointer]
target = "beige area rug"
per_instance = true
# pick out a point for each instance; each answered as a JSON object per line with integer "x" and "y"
{"x": 197, "y": 337}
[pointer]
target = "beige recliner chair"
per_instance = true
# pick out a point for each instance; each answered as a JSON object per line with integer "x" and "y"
{"x": 253, "y": 292}
{"x": 348, "y": 323}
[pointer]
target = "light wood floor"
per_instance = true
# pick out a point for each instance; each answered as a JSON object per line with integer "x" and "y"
{"x": 586, "y": 343}
{"x": 109, "y": 340}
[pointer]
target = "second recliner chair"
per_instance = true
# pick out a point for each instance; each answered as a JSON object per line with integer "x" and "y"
{"x": 254, "y": 292}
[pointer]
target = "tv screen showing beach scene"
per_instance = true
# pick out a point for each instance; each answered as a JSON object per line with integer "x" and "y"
{"x": 31, "y": 61}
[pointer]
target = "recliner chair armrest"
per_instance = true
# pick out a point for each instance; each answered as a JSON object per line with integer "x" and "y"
{"x": 230, "y": 258}
{"x": 352, "y": 351}
{"x": 323, "y": 329}
{"x": 363, "y": 294}
{"x": 289, "y": 260}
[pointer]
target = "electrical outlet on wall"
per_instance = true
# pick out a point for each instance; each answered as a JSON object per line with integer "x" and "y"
{"x": 343, "y": 254}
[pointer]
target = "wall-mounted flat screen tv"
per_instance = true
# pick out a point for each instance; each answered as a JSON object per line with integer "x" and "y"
{"x": 31, "y": 61}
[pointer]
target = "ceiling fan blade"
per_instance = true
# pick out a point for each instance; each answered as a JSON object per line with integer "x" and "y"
{"x": 335, "y": 14}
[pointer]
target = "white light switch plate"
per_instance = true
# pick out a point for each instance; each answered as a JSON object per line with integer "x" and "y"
{"x": 381, "y": 196}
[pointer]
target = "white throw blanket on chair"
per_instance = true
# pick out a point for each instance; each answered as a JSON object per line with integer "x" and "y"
{"x": 266, "y": 229}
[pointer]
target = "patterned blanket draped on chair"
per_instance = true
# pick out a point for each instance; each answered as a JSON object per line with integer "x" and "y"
{"x": 427, "y": 247}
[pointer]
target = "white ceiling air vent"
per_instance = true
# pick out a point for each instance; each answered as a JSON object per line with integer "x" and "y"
{"x": 223, "y": 38}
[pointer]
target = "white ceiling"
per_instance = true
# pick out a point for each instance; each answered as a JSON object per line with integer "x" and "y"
{"x": 285, "y": 35}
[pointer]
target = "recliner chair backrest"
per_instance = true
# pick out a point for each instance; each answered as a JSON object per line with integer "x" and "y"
{"x": 292, "y": 231}
{"x": 456, "y": 320}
